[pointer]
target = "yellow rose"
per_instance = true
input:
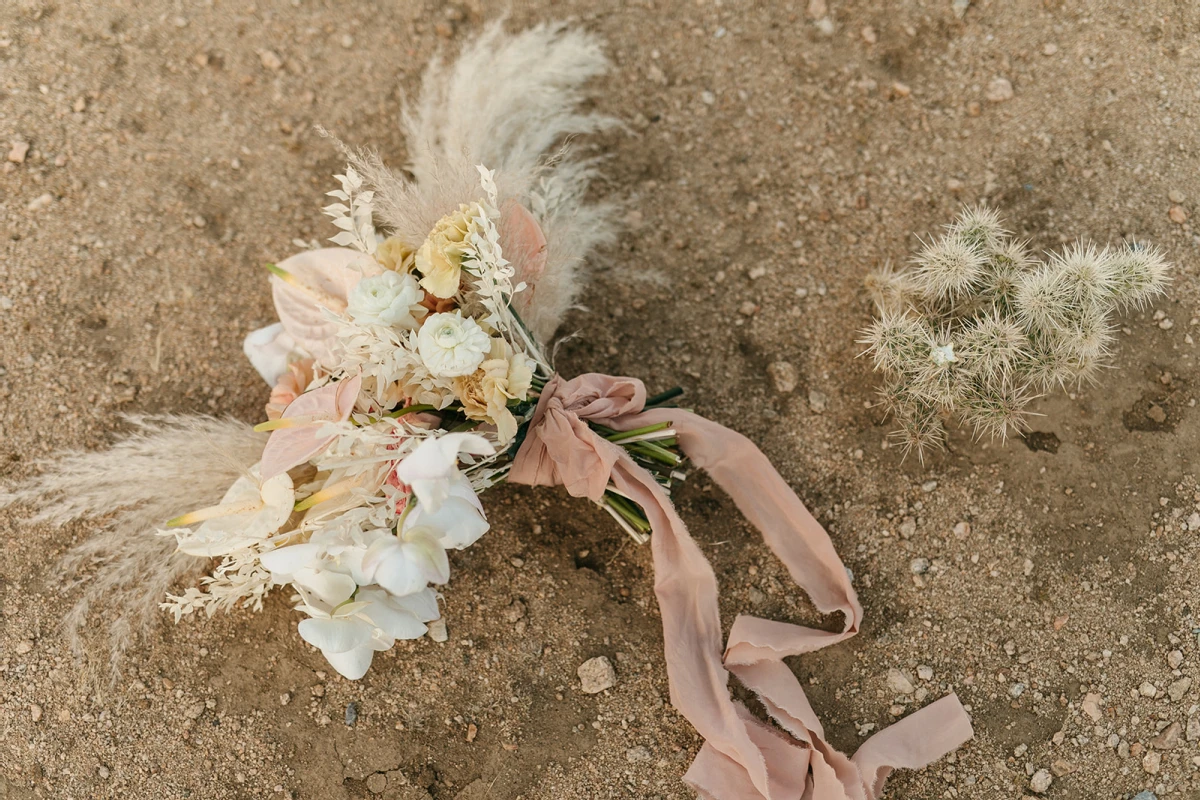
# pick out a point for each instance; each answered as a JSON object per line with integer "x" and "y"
{"x": 485, "y": 393}
{"x": 392, "y": 253}
{"x": 439, "y": 260}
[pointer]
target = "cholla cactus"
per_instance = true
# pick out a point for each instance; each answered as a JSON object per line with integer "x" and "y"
{"x": 978, "y": 326}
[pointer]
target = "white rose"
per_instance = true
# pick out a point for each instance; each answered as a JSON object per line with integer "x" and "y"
{"x": 389, "y": 298}
{"x": 452, "y": 346}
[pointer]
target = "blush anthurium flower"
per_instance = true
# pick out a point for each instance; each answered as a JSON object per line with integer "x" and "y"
{"x": 350, "y": 634}
{"x": 296, "y": 434}
{"x": 459, "y": 521}
{"x": 430, "y": 469}
{"x": 407, "y": 563}
{"x": 250, "y": 511}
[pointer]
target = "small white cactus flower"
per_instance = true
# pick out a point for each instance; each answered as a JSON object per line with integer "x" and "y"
{"x": 943, "y": 355}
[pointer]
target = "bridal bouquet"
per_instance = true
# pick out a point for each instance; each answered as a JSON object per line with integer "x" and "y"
{"x": 404, "y": 381}
{"x": 408, "y": 372}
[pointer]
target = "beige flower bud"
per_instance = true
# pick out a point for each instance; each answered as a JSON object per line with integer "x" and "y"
{"x": 485, "y": 393}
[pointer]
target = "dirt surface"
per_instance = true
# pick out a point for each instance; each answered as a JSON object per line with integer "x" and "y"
{"x": 778, "y": 151}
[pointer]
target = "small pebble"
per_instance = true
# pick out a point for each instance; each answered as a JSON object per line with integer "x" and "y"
{"x": 638, "y": 753}
{"x": 999, "y": 90}
{"x": 1049, "y": 49}
{"x": 40, "y": 202}
{"x": 437, "y": 630}
{"x": 1179, "y": 689}
{"x": 1169, "y": 738}
{"x": 1041, "y": 781}
{"x": 784, "y": 376}
{"x": 1151, "y": 763}
{"x": 925, "y": 673}
{"x": 1091, "y": 707}
{"x": 377, "y": 783}
{"x": 103, "y": 772}
{"x": 869, "y": 35}
{"x": 929, "y": 486}
{"x": 1145, "y": 795}
{"x": 17, "y": 154}
{"x": 596, "y": 675}
{"x": 1016, "y": 690}
{"x": 1178, "y": 215}
{"x": 1176, "y": 196}
{"x": 748, "y": 308}
{"x": 962, "y": 530}
{"x": 271, "y": 60}
{"x": 817, "y": 400}
{"x": 919, "y": 566}
{"x": 1147, "y": 689}
{"x": 898, "y": 682}
{"x": 35, "y": 712}
{"x": 351, "y": 714}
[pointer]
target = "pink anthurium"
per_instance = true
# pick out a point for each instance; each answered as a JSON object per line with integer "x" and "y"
{"x": 296, "y": 436}
{"x": 524, "y": 245}
{"x": 306, "y": 283}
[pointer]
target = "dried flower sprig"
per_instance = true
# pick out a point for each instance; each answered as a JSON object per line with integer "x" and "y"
{"x": 979, "y": 326}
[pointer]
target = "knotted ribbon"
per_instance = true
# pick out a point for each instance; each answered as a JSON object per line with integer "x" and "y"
{"x": 743, "y": 758}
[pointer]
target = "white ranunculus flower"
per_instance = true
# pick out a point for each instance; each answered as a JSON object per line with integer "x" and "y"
{"x": 459, "y": 520}
{"x": 452, "y": 345}
{"x": 431, "y": 468}
{"x": 390, "y": 298}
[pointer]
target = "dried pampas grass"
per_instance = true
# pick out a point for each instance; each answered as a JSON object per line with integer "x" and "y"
{"x": 169, "y": 464}
{"x": 510, "y": 102}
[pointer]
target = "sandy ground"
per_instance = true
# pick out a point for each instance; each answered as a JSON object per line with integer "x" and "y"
{"x": 778, "y": 151}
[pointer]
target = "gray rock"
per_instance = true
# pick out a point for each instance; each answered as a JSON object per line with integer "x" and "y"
{"x": 1146, "y": 795}
{"x": 898, "y": 682}
{"x": 1040, "y": 781}
{"x": 351, "y": 714}
{"x": 919, "y": 566}
{"x": 596, "y": 675}
{"x": 784, "y": 376}
{"x": 1169, "y": 738}
{"x": 638, "y": 753}
{"x": 1193, "y": 728}
{"x": 1179, "y": 689}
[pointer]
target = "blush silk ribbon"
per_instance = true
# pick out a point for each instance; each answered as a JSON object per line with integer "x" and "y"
{"x": 743, "y": 758}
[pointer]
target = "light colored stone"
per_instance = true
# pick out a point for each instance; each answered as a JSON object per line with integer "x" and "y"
{"x": 925, "y": 673}
{"x": 898, "y": 682}
{"x": 1151, "y": 763}
{"x": 817, "y": 9}
{"x": 999, "y": 90}
{"x": 377, "y": 783}
{"x": 17, "y": 154}
{"x": 1169, "y": 738}
{"x": 1091, "y": 707}
{"x": 35, "y": 712}
{"x": 638, "y": 753}
{"x": 1193, "y": 728}
{"x": 1175, "y": 657}
{"x": 817, "y": 400}
{"x": 784, "y": 377}
{"x": 1041, "y": 781}
{"x": 271, "y": 60}
{"x": 596, "y": 675}
{"x": 437, "y": 630}
{"x": 1178, "y": 215}
{"x": 1148, "y": 689}
{"x": 1179, "y": 689}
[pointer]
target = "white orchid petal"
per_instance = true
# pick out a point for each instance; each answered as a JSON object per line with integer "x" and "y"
{"x": 423, "y": 605}
{"x": 423, "y": 549}
{"x": 352, "y": 664}
{"x": 268, "y": 350}
{"x": 283, "y": 562}
{"x": 400, "y": 575}
{"x": 328, "y": 586}
{"x": 335, "y": 635}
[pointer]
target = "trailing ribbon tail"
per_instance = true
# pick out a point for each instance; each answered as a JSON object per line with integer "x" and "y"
{"x": 743, "y": 758}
